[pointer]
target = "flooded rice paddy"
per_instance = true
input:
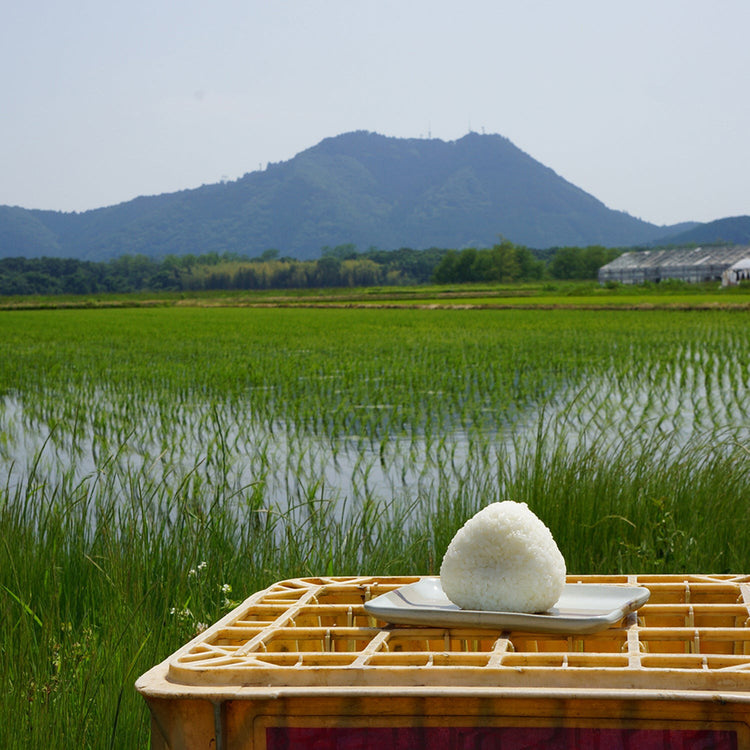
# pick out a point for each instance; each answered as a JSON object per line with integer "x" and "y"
{"x": 349, "y": 407}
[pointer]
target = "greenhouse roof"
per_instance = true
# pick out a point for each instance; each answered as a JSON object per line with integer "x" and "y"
{"x": 692, "y": 256}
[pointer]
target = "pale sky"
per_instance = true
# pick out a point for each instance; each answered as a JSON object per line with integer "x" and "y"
{"x": 644, "y": 104}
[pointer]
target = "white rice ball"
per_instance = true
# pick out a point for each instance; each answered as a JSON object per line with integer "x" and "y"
{"x": 504, "y": 559}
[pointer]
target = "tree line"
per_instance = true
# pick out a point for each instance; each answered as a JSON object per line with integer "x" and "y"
{"x": 341, "y": 266}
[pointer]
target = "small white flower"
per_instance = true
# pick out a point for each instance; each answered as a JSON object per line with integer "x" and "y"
{"x": 226, "y": 589}
{"x": 195, "y": 572}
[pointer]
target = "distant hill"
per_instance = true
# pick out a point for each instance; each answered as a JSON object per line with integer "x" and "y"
{"x": 361, "y": 188}
{"x": 734, "y": 230}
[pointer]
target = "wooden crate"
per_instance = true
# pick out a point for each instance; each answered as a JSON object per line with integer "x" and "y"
{"x": 302, "y": 664}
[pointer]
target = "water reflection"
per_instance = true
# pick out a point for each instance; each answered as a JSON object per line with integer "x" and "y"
{"x": 284, "y": 465}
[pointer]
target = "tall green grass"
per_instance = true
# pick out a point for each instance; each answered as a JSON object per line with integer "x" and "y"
{"x": 161, "y": 465}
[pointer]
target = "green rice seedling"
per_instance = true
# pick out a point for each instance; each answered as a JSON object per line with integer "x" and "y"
{"x": 161, "y": 464}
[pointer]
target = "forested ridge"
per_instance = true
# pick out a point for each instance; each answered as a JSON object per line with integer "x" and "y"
{"x": 360, "y": 188}
{"x": 341, "y": 266}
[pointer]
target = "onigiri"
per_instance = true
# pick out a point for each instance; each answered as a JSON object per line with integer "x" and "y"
{"x": 505, "y": 559}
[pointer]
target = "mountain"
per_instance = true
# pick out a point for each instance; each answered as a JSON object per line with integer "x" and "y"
{"x": 360, "y": 188}
{"x": 734, "y": 230}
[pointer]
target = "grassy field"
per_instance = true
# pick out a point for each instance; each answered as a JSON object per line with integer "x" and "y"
{"x": 588, "y": 294}
{"x": 161, "y": 462}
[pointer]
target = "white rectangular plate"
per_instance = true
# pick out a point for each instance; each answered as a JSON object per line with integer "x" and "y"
{"x": 582, "y": 608}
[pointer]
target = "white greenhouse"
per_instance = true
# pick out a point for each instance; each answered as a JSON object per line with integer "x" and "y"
{"x": 739, "y": 271}
{"x": 694, "y": 265}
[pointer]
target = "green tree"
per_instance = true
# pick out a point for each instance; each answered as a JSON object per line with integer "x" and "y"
{"x": 504, "y": 263}
{"x": 567, "y": 263}
{"x": 446, "y": 272}
{"x": 579, "y": 262}
{"x": 347, "y": 251}
{"x": 328, "y": 271}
